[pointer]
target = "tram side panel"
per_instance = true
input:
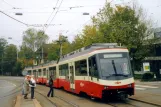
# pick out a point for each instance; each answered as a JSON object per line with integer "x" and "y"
{"x": 40, "y": 76}
{"x": 44, "y": 75}
{"x": 81, "y": 76}
{"x": 63, "y": 72}
{"x": 56, "y": 76}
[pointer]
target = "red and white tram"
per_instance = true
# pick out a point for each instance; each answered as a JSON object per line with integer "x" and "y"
{"x": 98, "y": 70}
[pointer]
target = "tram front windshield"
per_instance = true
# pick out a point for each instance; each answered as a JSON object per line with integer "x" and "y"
{"x": 114, "y": 65}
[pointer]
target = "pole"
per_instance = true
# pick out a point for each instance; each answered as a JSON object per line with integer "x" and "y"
{"x": 42, "y": 54}
{"x": 60, "y": 48}
{"x": 17, "y": 54}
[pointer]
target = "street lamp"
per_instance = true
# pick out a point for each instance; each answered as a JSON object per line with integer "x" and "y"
{"x": 19, "y": 14}
{"x": 85, "y": 13}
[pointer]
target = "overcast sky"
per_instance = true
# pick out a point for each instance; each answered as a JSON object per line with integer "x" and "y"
{"x": 71, "y": 20}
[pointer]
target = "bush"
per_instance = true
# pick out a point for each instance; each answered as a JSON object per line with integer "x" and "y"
{"x": 138, "y": 76}
{"x": 148, "y": 76}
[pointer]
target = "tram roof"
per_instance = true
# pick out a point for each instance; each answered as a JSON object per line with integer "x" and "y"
{"x": 88, "y": 49}
{"x": 81, "y": 51}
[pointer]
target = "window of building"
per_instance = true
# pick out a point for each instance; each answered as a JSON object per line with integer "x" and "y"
{"x": 93, "y": 71}
{"x": 81, "y": 68}
{"x": 63, "y": 69}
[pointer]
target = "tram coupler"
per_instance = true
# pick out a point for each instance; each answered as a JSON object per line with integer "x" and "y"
{"x": 122, "y": 95}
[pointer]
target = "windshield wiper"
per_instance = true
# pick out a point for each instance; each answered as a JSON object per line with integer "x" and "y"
{"x": 114, "y": 67}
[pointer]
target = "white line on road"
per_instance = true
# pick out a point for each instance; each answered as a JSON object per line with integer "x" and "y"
{"x": 145, "y": 86}
{"x": 140, "y": 88}
{"x": 9, "y": 83}
{"x": 7, "y": 86}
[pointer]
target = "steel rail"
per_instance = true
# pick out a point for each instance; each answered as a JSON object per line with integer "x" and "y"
{"x": 68, "y": 102}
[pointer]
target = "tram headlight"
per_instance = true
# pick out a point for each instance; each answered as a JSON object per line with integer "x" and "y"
{"x": 105, "y": 87}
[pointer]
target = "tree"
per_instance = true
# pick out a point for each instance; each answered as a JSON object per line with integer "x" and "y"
{"x": 125, "y": 25}
{"x": 9, "y": 59}
{"x": 3, "y": 44}
{"x": 121, "y": 24}
{"x": 26, "y": 56}
{"x": 34, "y": 39}
{"x": 77, "y": 43}
{"x": 54, "y": 51}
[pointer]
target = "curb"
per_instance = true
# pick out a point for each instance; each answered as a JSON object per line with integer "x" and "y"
{"x": 18, "y": 101}
{"x": 36, "y": 103}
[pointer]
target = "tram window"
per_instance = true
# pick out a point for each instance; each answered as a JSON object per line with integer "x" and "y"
{"x": 29, "y": 72}
{"x": 39, "y": 72}
{"x": 81, "y": 68}
{"x": 93, "y": 67}
{"x": 34, "y": 73}
{"x": 52, "y": 70}
{"x": 44, "y": 72}
{"x": 63, "y": 69}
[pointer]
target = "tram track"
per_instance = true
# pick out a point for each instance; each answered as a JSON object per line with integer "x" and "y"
{"x": 114, "y": 104}
{"x": 127, "y": 104}
{"x": 153, "y": 104}
{"x": 86, "y": 100}
{"x": 57, "y": 99}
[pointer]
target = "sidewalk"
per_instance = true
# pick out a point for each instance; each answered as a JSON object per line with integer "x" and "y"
{"x": 21, "y": 102}
{"x": 150, "y": 95}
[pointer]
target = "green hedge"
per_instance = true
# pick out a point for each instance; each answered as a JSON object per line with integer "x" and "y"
{"x": 148, "y": 76}
{"x": 138, "y": 76}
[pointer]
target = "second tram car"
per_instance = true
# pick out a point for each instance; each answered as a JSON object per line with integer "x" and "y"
{"x": 99, "y": 70}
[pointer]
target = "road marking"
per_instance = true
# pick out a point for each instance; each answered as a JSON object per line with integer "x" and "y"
{"x": 9, "y": 83}
{"x": 145, "y": 86}
{"x": 140, "y": 88}
{"x": 7, "y": 86}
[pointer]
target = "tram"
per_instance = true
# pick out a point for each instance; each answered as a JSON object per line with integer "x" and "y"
{"x": 101, "y": 70}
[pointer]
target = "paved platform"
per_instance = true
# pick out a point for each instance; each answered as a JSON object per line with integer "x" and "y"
{"x": 21, "y": 102}
{"x": 149, "y": 92}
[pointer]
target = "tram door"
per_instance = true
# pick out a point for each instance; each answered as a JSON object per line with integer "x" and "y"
{"x": 71, "y": 75}
{"x": 36, "y": 74}
{"x": 93, "y": 71}
{"x": 54, "y": 73}
{"x": 47, "y": 73}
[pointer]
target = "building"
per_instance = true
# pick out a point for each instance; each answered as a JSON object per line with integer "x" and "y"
{"x": 154, "y": 59}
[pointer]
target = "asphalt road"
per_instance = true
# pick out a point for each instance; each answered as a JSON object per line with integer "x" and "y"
{"x": 9, "y": 88}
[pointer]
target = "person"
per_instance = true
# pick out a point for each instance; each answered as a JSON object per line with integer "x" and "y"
{"x": 32, "y": 84}
{"x": 51, "y": 91}
{"x": 26, "y": 86}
